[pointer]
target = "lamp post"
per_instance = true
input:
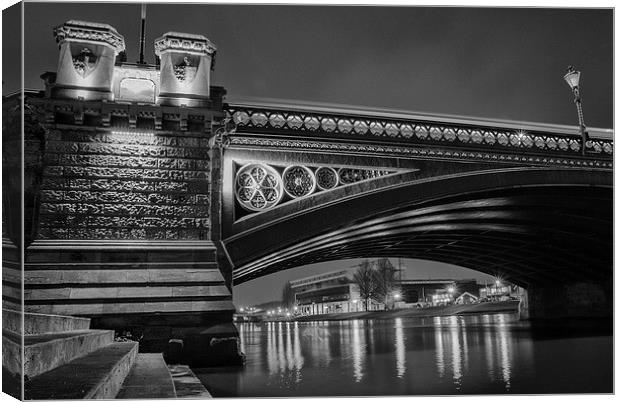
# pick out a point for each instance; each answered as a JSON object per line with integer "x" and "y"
{"x": 572, "y": 79}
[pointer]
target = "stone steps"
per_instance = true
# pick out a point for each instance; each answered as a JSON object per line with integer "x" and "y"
{"x": 66, "y": 360}
{"x": 44, "y": 352}
{"x": 148, "y": 379}
{"x": 97, "y": 375}
{"x": 41, "y": 323}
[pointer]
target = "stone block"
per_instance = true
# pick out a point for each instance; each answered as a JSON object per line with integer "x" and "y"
{"x": 45, "y": 323}
{"x": 186, "y": 291}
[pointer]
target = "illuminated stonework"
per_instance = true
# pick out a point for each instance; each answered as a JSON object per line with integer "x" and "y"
{"x": 184, "y": 42}
{"x": 186, "y": 62}
{"x": 258, "y": 187}
{"x": 81, "y": 31}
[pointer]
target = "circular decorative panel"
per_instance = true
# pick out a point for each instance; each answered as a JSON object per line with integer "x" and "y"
{"x": 298, "y": 181}
{"x": 258, "y": 187}
{"x": 326, "y": 178}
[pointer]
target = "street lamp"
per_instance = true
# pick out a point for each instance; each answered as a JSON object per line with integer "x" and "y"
{"x": 572, "y": 79}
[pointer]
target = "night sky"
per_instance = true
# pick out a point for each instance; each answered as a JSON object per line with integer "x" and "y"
{"x": 496, "y": 63}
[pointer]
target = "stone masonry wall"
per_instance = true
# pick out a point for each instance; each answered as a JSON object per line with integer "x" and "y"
{"x": 124, "y": 186}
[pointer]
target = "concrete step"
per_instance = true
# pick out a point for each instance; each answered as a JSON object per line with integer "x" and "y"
{"x": 186, "y": 384}
{"x": 148, "y": 379}
{"x": 35, "y": 323}
{"x": 98, "y": 375}
{"x": 44, "y": 352}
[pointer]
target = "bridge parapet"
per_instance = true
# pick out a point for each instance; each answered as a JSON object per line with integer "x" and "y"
{"x": 460, "y": 137}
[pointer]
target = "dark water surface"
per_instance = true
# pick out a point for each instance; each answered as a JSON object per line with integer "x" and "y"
{"x": 412, "y": 356}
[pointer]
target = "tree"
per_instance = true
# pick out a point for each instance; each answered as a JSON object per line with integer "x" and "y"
{"x": 288, "y": 296}
{"x": 366, "y": 279}
{"x": 386, "y": 278}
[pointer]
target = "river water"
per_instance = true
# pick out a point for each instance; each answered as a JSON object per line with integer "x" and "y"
{"x": 478, "y": 354}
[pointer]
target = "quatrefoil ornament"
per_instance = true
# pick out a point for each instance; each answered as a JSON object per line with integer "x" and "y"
{"x": 259, "y": 187}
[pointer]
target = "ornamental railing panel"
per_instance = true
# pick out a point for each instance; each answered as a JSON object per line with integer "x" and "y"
{"x": 416, "y": 131}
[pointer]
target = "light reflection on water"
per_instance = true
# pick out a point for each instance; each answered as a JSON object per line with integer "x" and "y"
{"x": 405, "y": 356}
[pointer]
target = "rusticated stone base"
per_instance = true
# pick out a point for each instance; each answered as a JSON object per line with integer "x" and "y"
{"x": 147, "y": 291}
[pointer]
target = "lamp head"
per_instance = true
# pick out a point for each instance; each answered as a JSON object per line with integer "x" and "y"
{"x": 572, "y": 77}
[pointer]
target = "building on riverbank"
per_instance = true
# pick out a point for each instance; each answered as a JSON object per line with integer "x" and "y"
{"x": 499, "y": 291}
{"x": 337, "y": 292}
{"x": 328, "y": 293}
{"x": 425, "y": 292}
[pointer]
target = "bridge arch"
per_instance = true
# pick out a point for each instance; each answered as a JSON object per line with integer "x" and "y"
{"x": 534, "y": 225}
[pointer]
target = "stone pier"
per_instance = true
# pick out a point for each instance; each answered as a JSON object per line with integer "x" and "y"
{"x": 122, "y": 228}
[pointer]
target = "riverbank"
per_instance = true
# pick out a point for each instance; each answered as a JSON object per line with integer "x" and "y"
{"x": 463, "y": 309}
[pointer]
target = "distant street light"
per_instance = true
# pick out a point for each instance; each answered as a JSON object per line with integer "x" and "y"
{"x": 572, "y": 79}
{"x": 451, "y": 289}
{"x": 397, "y": 296}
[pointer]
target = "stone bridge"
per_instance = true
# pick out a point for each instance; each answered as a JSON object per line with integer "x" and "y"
{"x": 146, "y": 195}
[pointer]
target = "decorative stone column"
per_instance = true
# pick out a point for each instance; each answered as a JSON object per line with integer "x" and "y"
{"x": 86, "y": 61}
{"x": 186, "y": 62}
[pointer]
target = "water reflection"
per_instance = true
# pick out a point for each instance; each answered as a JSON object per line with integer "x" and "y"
{"x": 399, "y": 343}
{"x": 440, "y": 355}
{"x": 358, "y": 351}
{"x": 456, "y": 352}
{"x": 439, "y": 352}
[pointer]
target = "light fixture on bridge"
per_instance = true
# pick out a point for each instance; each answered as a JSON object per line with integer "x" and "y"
{"x": 572, "y": 77}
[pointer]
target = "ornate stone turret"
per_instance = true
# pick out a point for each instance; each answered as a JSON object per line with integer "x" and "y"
{"x": 186, "y": 61}
{"x": 86, "y": 61}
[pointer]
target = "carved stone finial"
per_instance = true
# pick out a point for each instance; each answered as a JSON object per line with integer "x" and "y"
{"x": 184, "y": 42}
{"x": 83, "y": 31}
{"x": 186, "y": 62}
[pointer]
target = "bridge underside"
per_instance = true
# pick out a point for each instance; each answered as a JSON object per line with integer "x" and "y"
{"x": 532, "y": 235}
